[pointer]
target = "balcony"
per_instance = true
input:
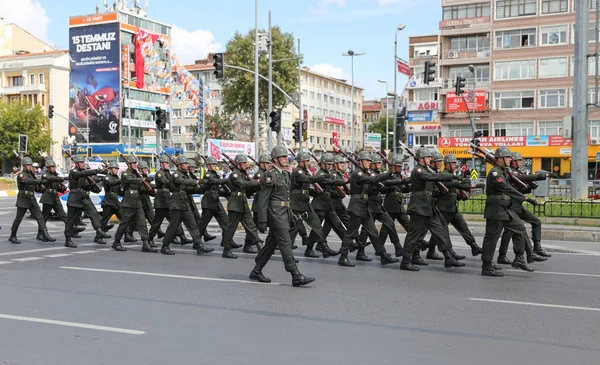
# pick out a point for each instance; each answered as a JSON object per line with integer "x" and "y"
{"x": 451, "y": 57}
{"x": 23, "y": 89}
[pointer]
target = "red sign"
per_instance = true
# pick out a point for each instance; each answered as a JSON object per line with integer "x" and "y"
{"x": 463, "y": 23}
{"x": 424, "y": 127}
{"x": 126, "y": 62}
{"x": 305, "y": 114}
{"x": 456, "y": 104}
{"x": 334, "y": 139}
{"x": 512, "y": 141}
{"x": 559, "y": 141}
{"x": 334, "y": 120}
{"x": 403, "y": 67}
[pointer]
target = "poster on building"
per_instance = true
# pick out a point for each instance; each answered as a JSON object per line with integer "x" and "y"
{"x": 95, "y": 82}
{"x": 372, "y": 141}
{"x": 216, "y": 148}
{"x": 456, "y": 104}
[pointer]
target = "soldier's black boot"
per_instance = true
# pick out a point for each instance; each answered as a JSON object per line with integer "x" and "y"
{"x": 129, "y": 237}
{"x": 475, "y": 249}
{"x": 13, "y": 238}
{"x": 69, "y": 242}
{"x": 502, "y": 259}
{"x": 537, "y": 248}
{"x": 98, "y": 239}
{"x": 457, "y": 256}
{"x": 533, "y": 257}
{"x": 201, "y": 249}
{"x": 407, "y": 264}
{"x": 166, "y": 250}
{"x": 151, "y": 243}
{"x": 101, "y": 234}
{"x": 362, "y": 256}
{"x": 432, "y": 255}
{"x": 344, "y": 261}
{"x": 519, "y": 263}
{"x": 47, "y": 237}
{"x": 117, "y": 246}
{"x": 488, "y": 269}
{"x": 387, "y": 259}
{"x": 398, "y": 249}
{"x": 235, "y": 245}
{"x": 81, "y": 229}
{"x": 418, "y": 260}
{"x": 299, "y": 279}
{"x": 309, "y": 251}
{"x": 228, "y": 254}
{"x": 328, "y": 252}
{"x": 175, "y": 241}
{"x": 147, "y": 248}
{"x": 257, "y": 275}
{"x": 184, "y": 240}
{"x": 208, "y": 236}
{"x": 75, "y": 235}
{"x": 160, "y": 233}
{"x": 450, "y": 261}
{"x": 249, "y": 249}
{"x": 39, "y": 237}
{"x": 318, "y": 248}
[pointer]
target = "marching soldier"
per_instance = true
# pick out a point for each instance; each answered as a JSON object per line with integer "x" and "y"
{"x": 50, "y": 199}
{"x": 27, "y": 183}
{"x": 238, "y": 208}
{"x": 424, "y": 215}
{"x": 264, "y": 164}
{"x": 274, "y": 212}
{"x": 336, "y": 200}
{"x": 132, "y": 212}
{"x": 358, "y": 208}
{"x": 162, "y": 201}
{"x": 499, "y": 215}
{"x": 112, "y": 190}
{"x": 199, "y": 190}
{"x": 79, "y": 202}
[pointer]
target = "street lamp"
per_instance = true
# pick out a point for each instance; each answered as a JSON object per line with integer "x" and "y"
{"x": 351, "y": 54}
{"x": 398, "y": 28}
{"x": 387, "y": 118}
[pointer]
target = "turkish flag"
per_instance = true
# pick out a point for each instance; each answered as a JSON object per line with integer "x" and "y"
{"x": 141, "y": 37}
{"x": 334, "y": 139}
{"x": 214, "y": 151}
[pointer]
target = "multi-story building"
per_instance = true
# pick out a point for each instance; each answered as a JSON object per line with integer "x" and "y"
{"x": 517, "y": 58}
{"x": 371, "y": 111}
{"x": 34, "y": 71}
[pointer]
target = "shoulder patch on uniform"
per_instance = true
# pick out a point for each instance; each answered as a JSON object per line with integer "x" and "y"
{"x": 175, "y": 175}
{"x": 158, "y": 175}
{"x": 298, "y": 170}
{"x": 494, "y": 173}
{"x": 268, "y": 179}
{"x": 21, "y": 175}
{"x": 45, "y": 175}
{"x": 74, "y": 170}
{"x": 419, "y": 170}
{"x": 235, "y": 176}
{"x": 498, "y": 179}
{"x": 360, "y": 173}
{"x": 124, "y": 173}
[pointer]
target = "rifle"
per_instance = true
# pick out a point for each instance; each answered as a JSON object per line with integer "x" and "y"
{"x": 224, "y": 186}
{"x": 355, "y": 163}
{"x": 440, "y": 185}
{"x": 385, "y": 159}
{"x": 337, "y": 188}
{"x": 39, "y": 188}
{"x": 232, "y": 162}
{"x": 173, "y": 161}
{"x": 253, "y": 160}
{"x": 315, "y": 185}
{"x": 487, "y": 155}
{"x": 95, "y": 187}
{"x": 146, "y": 184}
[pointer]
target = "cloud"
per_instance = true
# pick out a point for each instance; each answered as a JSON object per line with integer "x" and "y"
{"x": 192, "y": 45}
{"x": 331, "y": 71}
{"x": 27, "y": 14}
{"x": 346, "y": 11}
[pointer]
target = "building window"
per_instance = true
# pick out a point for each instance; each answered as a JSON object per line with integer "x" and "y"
{"x": 424, "y": 94}
{"x": 482, "y": 74}
{"x": 422, "y": 140}
{"x": 514, "y": 100}
{"x": 515, "y": 8}
{"x": 555, "y": 35}
{"x": 190, "y": 147}
{"x": 325, "y": 84}
{"x": 31, "y": 79}
{"x": 553, "y": 67}
{"x": 591, "y": 96}
{"x": 507, "y": 39}
{"x": 41, "y": 79}
{"x": 191, "y": 129}
{"x": 513, "y": 129}
{"x": 176, "y": 130}
{"x": 16, "y": 81}
{"x": 318, "y": 82}
{"x": 466, "y": 11}
{"x": 514, "y": 70}
{"x": 553, "y": 98}
{"x": 550, "y": 128}
{"x": 460, "y": 131}
{"x": 554, "y": 6}
{"x": 43, "y": 99}
{"x": 594, "y": 128}
{"x": 474, "y": 43}
{"x": 312, "y": 95}
{"x": 318, "y": 97}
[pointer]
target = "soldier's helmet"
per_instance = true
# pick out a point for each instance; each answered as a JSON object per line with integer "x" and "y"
{"x": 78, "y": 158}
{"x": 143, "y": 165}
{"x": 241, "y": 158}
{"x": 423, "y": 152}
{"x": 515, "y": 155}
{"x": 50, "y": 163}
{"x": 437, "y": 156}
{"x": 192, "y": 163}
{"x": 112, "y": 165}
{"x": 377, "y": 158}
{"x": 339, "y": 159}
{"x": 132, "y": 159}
{"x": 181, "y": 159}
{"x": 327, "y": 159}
{"x": 164, "y": 158}
{"x": 279, "y": 151}
{"x": 211, "y": 160}
{"x": 502, "y": 152}
{"x": 450, "y": 158}
{"x": 264, "y": 159}
{"x": 364, "y": 155}
{"x": 302, "y": 156}
{"x": 397, "y": 160}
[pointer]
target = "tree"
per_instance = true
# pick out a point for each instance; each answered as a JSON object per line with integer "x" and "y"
{"x": 219, "y": 126}
{"x": 20, "y": 117}
{"x": 238, "y": 86}
{"x": 380, "y": 127}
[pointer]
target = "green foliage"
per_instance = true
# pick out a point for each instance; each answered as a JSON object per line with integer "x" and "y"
{"x": 20, "y": 117}
{"x": 380, "y": 127}
{"x": 219, "y": 126}
{"x": 238, "y": 86}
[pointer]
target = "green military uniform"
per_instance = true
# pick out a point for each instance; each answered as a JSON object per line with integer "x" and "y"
{"x": 110, "y": 204}
{"x": 50, "y": 199}
{"x": 211, "y": 203}
{"x": 190, "y": 196}
{"x": 145, "y": 194}
{"x": 336, "y": 202}
{"x": 256, "y": 191}
{"x": 162, "y": 202}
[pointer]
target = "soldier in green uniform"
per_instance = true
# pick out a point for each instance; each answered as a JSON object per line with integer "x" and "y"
{"x": 337, "y": 204}
{"x": 190, "y": 196}
{"x": 499, "y": 215}
{"x": 238, "y": 208}
{"x": 424, "y": 214}
{"x": 79, "y": 202}
{"x": 112, "y": 190}
{"x": 274, "y": 212}
{"x": 181, "y": 212}
{"x": 132, "y": 212}
{"x": 145, "y": 197}
{"x": 162, "y": 201}
{"x": 27, "y": 183}
{"x": 535, "y": 253}
{"x": 358, "y": 209}
{"x": 53, "y": 185}
{"x": 264, "y": 164}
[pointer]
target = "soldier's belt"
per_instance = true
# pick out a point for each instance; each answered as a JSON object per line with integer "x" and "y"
{"x": 398, "y": 193}
{"x": 51, "y": 190}
{"x": 238, "y": 193}
{"x": 425, "y": 193}
{"x": 298, "y": 191}
{"x": 133, "y": 191}
{"x": 499, "y": 196}
{"x": 27, "y": 192}
{"x": 165, "y": 190}
{"x": 113, "y": 193}
{"x": 360, "y": 196}
{"x": 284, "y": 203}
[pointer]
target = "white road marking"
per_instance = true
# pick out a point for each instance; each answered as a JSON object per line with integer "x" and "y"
{"x": 58, "y": 255}
{"x": 23, "y": 259}
{"x": 562, "y": 273}
{"x": 592, "y": 309}
{"x": 104, "y": 249}
{"x": 142, "y": 273}
{"x": 84, "y": 252}
{"x": 35, "y": 250}
{"x": 4, "y": 262}
{"x": 72, "y": 324}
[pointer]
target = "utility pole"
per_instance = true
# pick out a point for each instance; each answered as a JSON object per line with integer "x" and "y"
{"x": 256, "y": 136}
{"x": 300, "y": 112}
{"x": 579, "y": 161}
{"x": 270, "y": 109}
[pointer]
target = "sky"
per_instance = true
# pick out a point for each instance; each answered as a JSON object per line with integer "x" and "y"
{"x": 326, "y": 29}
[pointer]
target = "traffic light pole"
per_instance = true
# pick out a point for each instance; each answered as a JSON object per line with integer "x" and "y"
{"x": 300, "y": 113}
{"x": 270, "y": 46}
{"x": 256, "y": 136}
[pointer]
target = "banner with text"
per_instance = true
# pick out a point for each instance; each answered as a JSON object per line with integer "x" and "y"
{"x": 231, "y": 148}
{"x": 508, "y": 141}
{"x": 456, "y": 104}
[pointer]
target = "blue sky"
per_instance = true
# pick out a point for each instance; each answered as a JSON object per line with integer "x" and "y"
{"x": 326, "y": 28}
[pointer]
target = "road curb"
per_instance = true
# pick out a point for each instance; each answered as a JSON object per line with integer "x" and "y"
{"x": 8, "y": 193}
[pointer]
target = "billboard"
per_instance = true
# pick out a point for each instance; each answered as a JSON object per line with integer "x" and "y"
{"x": 95, "y": 82}
{"x": 456, "y": 104}
{"x": 372, "y": 141}
{"x": 231, "y": 148}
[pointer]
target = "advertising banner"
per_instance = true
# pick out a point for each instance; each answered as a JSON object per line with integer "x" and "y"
{"x": 512, "y": 141}
{"x": 455, "y": 103}
{"x": 422, "y": 116}
{"x": 231, "y": 148}
{"x": 372, "y": 141}
{"x": 95, "y": 82}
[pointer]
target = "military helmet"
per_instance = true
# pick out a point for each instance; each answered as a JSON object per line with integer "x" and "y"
{"x": 78, "y": 158}
{"x": 517, "y": 156}
{"x": 264, "y": 159}
{"x": 112, "y": 165}
{"x": 192, "y": 163}
{"x": 182, "y": 159}
{"x": 423, "y": 152}
{"x": 437, "y": 156}
{"x": 302, "y": 156}
{"x": 377, "y": 158}
{"x": 241, "y": 158}
{"x": 50, "y": 163}
{"x": 279, "y": 151}
{"x": 164, "y": 158}
{"x": 450, "y": 158}
{"x": 339, "y": 159}
{"x": 397, "y": 160}
{"x": 502, "y": 152}
{"x": 364, "y": 155}
{"x": 327, "y": 159}
{"x": 132, "y": 158}
{"x": 143, "y": 165}
{"x": 211, "y": 161}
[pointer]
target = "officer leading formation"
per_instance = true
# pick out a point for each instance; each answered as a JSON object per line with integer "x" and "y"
{"x": 288, "y": 201}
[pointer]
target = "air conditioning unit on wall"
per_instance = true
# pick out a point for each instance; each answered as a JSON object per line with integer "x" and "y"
{"x": 452, "y": 54}
{"x": 594, "y": 141}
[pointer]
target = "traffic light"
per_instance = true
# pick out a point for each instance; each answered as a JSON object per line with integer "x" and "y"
{"x": 161, "y": 122}
{"x": 22, "y": 143}
{"x": 304, "y": 130}
{"x": 218, "y": 65}
{"x": 297, "y": 132}
{"x": 429, "y": 72}
{"x": 399, "y": 125}
{"x": 460, "y": 83}
{"x": 275, "y": 121}
{"x": 50, "y": 111}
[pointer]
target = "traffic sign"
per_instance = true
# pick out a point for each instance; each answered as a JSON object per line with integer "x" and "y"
{"x": 474, "y": 174}
{"x": 597, "y": 156}
{"x": 410, "y": 140}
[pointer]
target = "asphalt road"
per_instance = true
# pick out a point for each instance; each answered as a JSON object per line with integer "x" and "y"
{"x": 92, "y": 305}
